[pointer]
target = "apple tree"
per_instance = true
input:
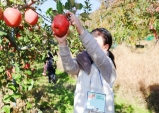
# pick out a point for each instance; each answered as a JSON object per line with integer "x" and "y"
{"x": 24, "y": 40}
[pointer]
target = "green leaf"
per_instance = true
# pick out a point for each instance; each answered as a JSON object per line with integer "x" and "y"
{"x": 16, "y": 95}
{"x": 55, "y": 12}
{"x": 12, "y": 87}
{"x": 59, "y": 7}
{"x": 31, "y": 86}
{"x": 1, "y": 69}
{"x": 28, "y": 105}
{"x": 12, "y": 99}
{"x": 38, "y": 39}
{"x": 16, "y": 76}
{"x": 85, "y": 15}
{"x": 43, "y": 57}
{"x": 5, "y": 109}
{"x": 72, "y": 2}
{"x": 78, "y": 6}
{"x": 6, "y": 98}
{"x": 3, "y": 33}
{"x": 67, "y": 5}
{"x": 71, "y": 34}
{"x": 16, "y": 67}
{"x": 49, "y": 12}
{"x": 28, "y": 72}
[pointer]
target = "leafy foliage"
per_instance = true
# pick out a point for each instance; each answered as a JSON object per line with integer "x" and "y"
{"x": 21, "y": 48}
{"x": 127, "y": 20}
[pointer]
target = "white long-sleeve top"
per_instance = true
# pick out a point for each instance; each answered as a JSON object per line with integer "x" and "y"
{"x": 101, "y": 63}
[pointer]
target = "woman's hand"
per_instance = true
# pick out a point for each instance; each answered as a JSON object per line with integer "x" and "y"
{"x": 62, "y": 40}
{"x": 76, "y": 22}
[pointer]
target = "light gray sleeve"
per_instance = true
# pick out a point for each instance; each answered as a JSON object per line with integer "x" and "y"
{"x": 69, "y": 64}
{"x": 98, "y": 56}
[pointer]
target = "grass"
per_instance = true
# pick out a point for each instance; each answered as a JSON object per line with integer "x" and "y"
{"x": 54, "y": 98}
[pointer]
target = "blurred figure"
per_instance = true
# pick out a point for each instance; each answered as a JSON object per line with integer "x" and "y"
{"x": 49, "y": 68}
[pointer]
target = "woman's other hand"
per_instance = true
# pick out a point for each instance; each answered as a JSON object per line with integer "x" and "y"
{"x": 76, "y": 22}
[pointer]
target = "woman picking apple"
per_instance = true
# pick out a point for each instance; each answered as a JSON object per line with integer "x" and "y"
{"x": 94, "y": 67}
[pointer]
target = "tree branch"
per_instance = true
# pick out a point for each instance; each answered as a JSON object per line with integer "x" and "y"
{"x": 44, "y": 17}
{"x": 27, "y": 5}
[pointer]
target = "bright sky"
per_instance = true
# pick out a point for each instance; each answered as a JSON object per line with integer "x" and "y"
{"x": 52, "y": 4}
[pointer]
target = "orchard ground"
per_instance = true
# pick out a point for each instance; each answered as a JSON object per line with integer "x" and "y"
{"x": 136, "y": 87}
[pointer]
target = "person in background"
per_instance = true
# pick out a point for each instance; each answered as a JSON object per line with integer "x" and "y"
{"x": 94, "y": 67}
{"x": 49, "y": 68}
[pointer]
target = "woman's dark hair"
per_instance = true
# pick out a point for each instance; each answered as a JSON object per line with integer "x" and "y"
{"x": 107, "y": 40}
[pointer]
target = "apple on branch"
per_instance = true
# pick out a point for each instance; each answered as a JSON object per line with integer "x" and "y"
{"x": 12, "y": 17}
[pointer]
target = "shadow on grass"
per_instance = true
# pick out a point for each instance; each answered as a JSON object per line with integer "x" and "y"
{"x": 52, "y": 98}
{"x": 151, "y": 95}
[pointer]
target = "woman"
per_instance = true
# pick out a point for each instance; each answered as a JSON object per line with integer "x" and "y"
{"x": 94, "y": 67}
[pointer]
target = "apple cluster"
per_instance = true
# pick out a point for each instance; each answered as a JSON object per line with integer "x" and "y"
{"x": 13, "y": 17}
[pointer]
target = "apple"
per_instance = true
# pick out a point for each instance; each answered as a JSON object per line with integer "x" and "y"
{"x": 31, "y": 17}
{"x": 12, "y": 17}
{"x": 26, "y": 66}
{"x": 18, "y": 35}
{"x": 60, "y": 25}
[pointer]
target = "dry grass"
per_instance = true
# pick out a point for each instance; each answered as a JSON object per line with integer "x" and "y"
{"x": 136, "y": 72}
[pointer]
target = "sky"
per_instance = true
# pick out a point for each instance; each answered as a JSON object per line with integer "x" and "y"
{"x": 52, "y": 4}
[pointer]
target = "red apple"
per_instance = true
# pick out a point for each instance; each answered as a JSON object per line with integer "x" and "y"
{"x": 31, "y": 17}
{"x": 60, "y": 25}
{"x": 12, "y": 17}
{"x": 18, "y": 35}
{"x": 26, "y": 66}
